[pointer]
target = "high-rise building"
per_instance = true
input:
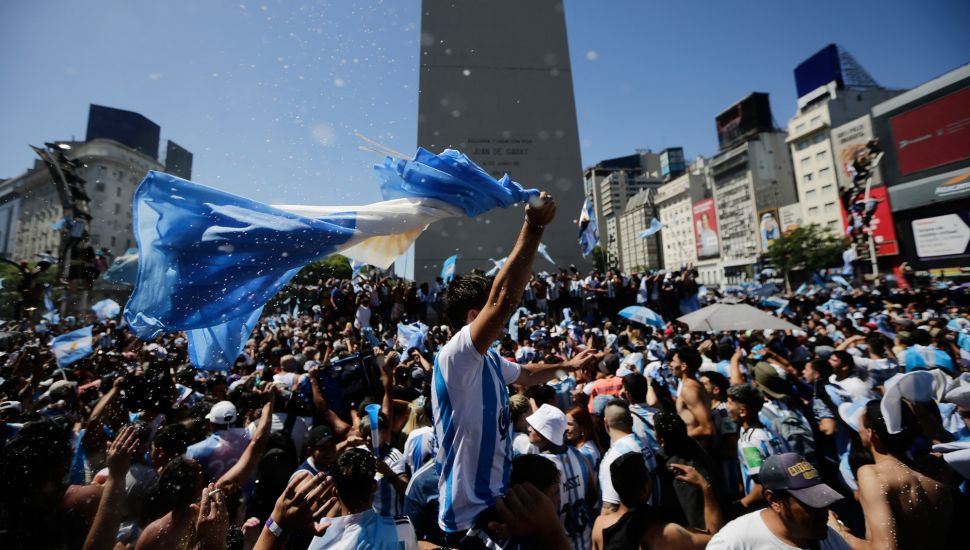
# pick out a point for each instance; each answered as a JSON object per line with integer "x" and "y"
{"x": 925, "y": 136}
{"x": 508, "y": 104}
{"x": 612, "y": 183}
{"x": 752, "y": 179}
{"x": 833, "y": 90}
{"x": 674, "y": 211}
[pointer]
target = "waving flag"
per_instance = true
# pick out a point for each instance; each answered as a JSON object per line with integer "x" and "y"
{"x": 588, "y": 232}
{"x": 643, "y": 315}
{"x": 514, "y": 323}
{"x": 448, "y": 269}
{"x": 497, "y": 265}
{"x": 545, "y": 253}
{"x": 123, "y": 269}
{"x": 411, "y": 336}
{"x": 72, "y": 346}
{"x": 51, "y": 315}
{"x": 106, "y": 309}
{"x": 356, "y": 267}
{"x": 208, "y": 258}
{"x": 655, "y": 227}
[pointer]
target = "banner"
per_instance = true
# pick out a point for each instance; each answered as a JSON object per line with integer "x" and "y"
{"x": 705, "y": 229}
{"x": 768, "y": 228}
{"x": 881, "y": 224}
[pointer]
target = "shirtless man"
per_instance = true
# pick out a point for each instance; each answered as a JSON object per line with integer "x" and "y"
{"x": 903, "y": 508}
{"x": 693, "y": 402}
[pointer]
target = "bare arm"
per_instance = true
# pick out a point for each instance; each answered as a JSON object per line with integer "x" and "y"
{"x": 104, "y": 528}
{"x": 735, "y": 372}
{"x": 244, "y": 469}
{"x": 340, "y": 428}
{"x": 880, "y": 523}
{"x": 510, "y": 282}
{"x": 534, "y": 374}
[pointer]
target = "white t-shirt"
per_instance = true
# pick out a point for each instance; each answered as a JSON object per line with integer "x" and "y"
{"x": 749, "y": 532}
{"x": 629, "y": 444}
{"x": 367, "y": 530}
{"x": 362, "y": 317}
{"x": 473, "y": 429}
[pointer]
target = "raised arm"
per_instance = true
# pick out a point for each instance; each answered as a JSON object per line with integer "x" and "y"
{"x": 534, "y": 374}
{"x": 735, "y": 372}
{"x": 339, "y": 427}
{"x": 244, "y": 469}
{"x": 510, "y": 282}
{"x": 104, "y": 528}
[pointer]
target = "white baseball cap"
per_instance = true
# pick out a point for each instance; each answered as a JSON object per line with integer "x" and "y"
{"x": 223, "y": 412}
{"x": 550, "y": 422}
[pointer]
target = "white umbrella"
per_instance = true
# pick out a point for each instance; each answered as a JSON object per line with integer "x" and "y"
{"x": 726, "y": 317}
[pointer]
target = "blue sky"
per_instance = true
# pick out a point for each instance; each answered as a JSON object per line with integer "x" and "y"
{"x": 267, "y": 94}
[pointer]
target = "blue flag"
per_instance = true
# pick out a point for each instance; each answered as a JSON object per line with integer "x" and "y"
{"x": 411, "y": 336}
{"x": 208, "y": 258}
{"x": 588, "y": 231}
{"x": 514, "y": 323}
{"x": 448, "y": 269}
{"x": 72, "y": 346}
{"x": 655, "y": 226}
{"x": 106, "y": 309}
{"x": 496, "y": 266}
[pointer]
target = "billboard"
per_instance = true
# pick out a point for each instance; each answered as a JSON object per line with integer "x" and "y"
{"x": 125, "y": 127}
{"x": 178, "y": 160}
{"x": 745, "y": 118}
{"x": 818, "y": 70}
{"x": 847, "y": 141}
{"x": 790, "y": 218}
{"x": 705, "y": 229}
{"x": 933, "y": 134}
{"x": 883, "y": 230}
{"x": 942, "y": 237}
{"x": 769, "y": 227}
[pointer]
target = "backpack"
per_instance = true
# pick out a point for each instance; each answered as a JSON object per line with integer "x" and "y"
{"x": 787, "y": 425}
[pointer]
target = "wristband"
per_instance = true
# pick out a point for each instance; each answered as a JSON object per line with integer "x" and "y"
{"x": 274, "y": 527}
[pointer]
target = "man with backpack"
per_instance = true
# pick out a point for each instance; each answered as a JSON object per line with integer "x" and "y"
{"x": 755, "y": 443}
{"x": 782, "y": 413}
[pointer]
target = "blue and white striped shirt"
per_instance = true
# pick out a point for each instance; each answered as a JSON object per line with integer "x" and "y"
{"x": 754, "y": 446}
{"x": 473, "y": 429}
{"x": 367, "y": 530}
{"x": 418, "y": 447}
{"x": 629, "y": 444}
{"x": 577, "y": 496}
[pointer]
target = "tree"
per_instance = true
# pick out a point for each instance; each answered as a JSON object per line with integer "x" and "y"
{"x": 331, "y": 266}
{"x": 810, "y": 247}
{"x": 599, "y": 258}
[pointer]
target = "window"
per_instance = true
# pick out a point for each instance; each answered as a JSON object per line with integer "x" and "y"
{"x": 806, "y": 161}
{"x": 113, "y": 241}
{"x": 810, "y": 194}
{"x": 799, "y": 127}
{"x": 808, "y": 176}
{"x": 823, "y": 172}
{"x": 99, "y": 186}
{"x": 826, "y": 189}
{"x": 816, "y": 120}
{"x": 833, "y": 224}
{"x": 813, "y": 211}
{"x": 118, "y": 193}
{"x": 829, "y": 207}
{"x": 820, "y": 155}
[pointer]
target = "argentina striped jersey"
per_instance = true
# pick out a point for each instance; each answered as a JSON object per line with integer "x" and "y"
{"x": 473, "y": 429}
{"x": 576, "y": 493}
{"x": 419, "y": 447}
{"x": 629, "y": 444}
{"x": 754, "y": 446}
{"x": 367, "y": 530}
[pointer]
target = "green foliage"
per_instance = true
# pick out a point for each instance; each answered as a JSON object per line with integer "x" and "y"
{"x": 810, "y": 247}
{"x": 331, "y": 266}
{"x": 598, "y": 255}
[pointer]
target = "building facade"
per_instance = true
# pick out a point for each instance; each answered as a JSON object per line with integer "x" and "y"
{"x": 638, "y": 253}
{"x": 926, "y": 168}
{"x": 112, "y": 171}
{"x": 679, "y": 248}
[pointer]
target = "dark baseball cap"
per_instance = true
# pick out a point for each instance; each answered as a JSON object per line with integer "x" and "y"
{"x": 769, "y": 382}
{"x": 318, "y": 437}
{"x": 792, "y": 473}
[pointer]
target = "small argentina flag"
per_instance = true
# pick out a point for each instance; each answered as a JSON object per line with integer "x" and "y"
{"x": 71, "y": 347}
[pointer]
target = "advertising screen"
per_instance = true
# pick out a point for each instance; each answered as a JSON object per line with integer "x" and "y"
{"x": 790, "y": 218}
{"x": 884, "y": 231}
{"x": 749, "y": 116}
{"x": 934, "y": 134}
{"x": 849, "y": 140}
{"x": 705, "y": 229}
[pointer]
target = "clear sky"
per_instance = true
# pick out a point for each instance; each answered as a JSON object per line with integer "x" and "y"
{"x": 267, "y": 94}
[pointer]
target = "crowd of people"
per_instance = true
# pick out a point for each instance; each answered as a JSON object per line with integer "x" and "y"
{"x": 518, "y": 411}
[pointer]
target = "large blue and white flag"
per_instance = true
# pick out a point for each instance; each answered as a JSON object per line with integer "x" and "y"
{"x": 448, "y": 269}
{"x": 72, "y": 346}
{"x": 655, "y": 227}
{"x": 496, "y": 266}
{"x": 208, "y": 260}
{"x": 544, "y": 252}
{"x": 588, "y": 231}
{"x": 106, "y": 309}
{"x": 412, "y": 335}
{"x": 355, "y": 267}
